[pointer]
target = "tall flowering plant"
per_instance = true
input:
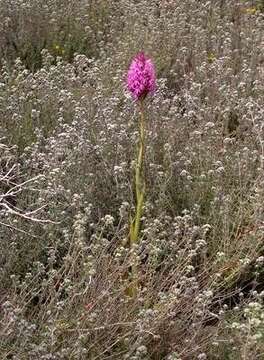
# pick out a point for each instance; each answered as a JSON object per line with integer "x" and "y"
{"x": 141, "y": 81}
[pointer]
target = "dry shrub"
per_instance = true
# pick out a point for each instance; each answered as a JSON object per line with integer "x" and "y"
{"x": 67, "y": 147}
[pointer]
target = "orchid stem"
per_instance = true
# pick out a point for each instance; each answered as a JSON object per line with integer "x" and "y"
{"x": 140, "y": 188}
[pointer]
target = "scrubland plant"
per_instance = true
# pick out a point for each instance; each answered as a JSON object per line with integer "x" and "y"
{"x": 63, "y": 27}
{"x": 141, "y": 81}
{"x": 67, "y": 149}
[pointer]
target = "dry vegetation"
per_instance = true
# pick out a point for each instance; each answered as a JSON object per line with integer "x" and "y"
{"x": 67, "y": 144}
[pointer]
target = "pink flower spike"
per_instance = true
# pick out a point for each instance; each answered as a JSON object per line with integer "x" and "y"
{"x": 141, "y": 77}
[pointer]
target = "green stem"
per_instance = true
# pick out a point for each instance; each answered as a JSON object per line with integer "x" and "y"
{"x": 139, "y": 180}
{"x": 140, "y": 194}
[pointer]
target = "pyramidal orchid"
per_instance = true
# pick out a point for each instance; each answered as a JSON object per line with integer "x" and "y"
{"x": 141, "y": 80}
